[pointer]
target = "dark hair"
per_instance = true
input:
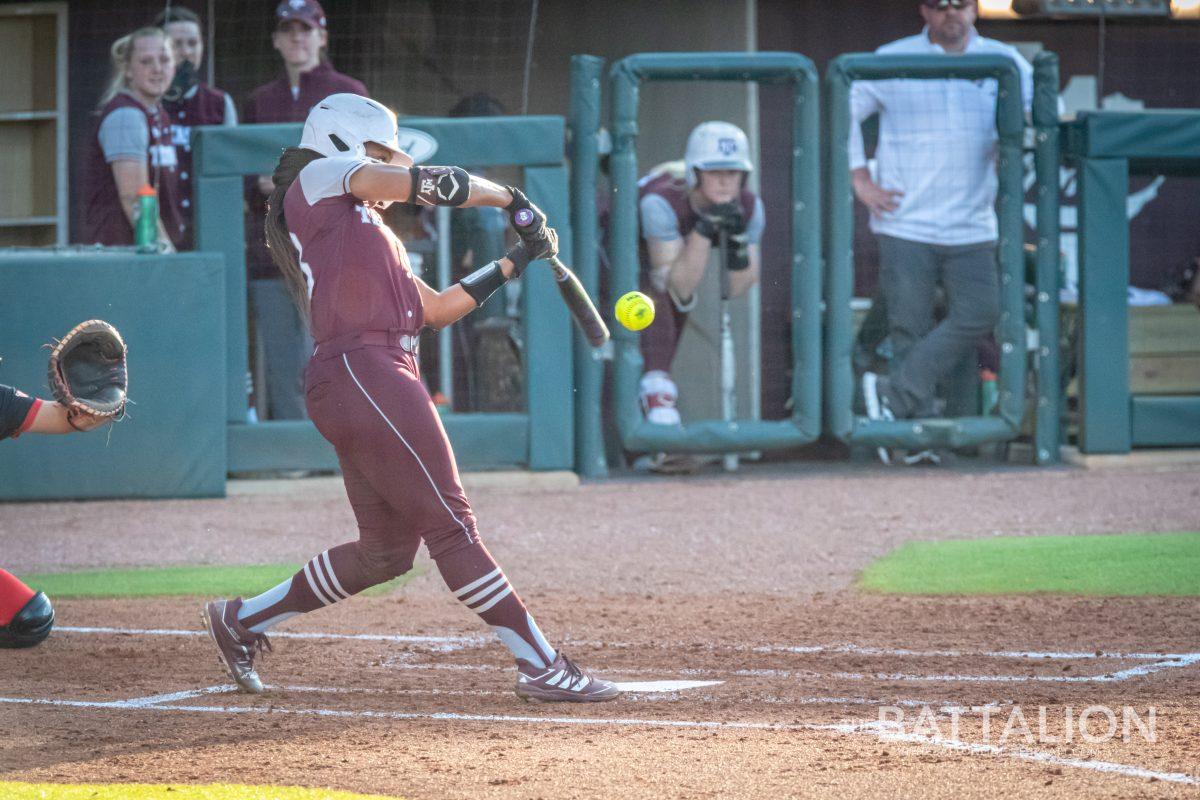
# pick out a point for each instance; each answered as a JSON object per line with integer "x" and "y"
{"x": 279, "y": 239}
{"x": 480, "y": 104}
{"x": 176, "y": 14}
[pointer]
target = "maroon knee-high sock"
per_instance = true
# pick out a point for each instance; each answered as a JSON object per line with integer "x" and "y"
{"x": 479, "y": 583}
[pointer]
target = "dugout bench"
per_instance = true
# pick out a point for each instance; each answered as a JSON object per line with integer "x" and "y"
{"x": 541, "y": 437}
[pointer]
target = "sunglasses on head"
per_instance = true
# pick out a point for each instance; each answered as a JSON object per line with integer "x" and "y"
{"x": 942, "y": 5}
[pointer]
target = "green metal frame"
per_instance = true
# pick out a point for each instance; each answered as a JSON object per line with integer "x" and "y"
{"x": 717, "y": 436}
{"x": 224, "y": 156}
{"x": 584, "y": 124}
{"x": 1047, "y": 158}
{"x": 1106, "y": 146}
{"x": 839, "y": 252}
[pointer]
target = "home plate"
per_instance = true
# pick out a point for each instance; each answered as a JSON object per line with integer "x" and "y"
{"x": 664, "y": 686}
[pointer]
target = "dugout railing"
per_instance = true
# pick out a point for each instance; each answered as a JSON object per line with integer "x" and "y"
{"x": 951, "y": 432}
{"x": 1106, "y": 147}
{"x": 716, "y": 436}
{"x": 541, "y": 437}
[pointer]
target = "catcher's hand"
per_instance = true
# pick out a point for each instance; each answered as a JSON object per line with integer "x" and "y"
{"x": 88, "y": 375}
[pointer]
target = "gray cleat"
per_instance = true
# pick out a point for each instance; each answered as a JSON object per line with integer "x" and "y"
{"x": 562, "y": 682}
{"x": 236, "y": 646}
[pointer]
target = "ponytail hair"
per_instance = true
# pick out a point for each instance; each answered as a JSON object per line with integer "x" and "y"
{"x": 119, "y": 56}
{"x": 279, "y": 238}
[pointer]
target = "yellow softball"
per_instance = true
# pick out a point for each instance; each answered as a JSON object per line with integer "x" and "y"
{"x": 635, "y": 311}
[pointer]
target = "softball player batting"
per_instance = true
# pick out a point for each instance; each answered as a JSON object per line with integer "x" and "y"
{"x": 350, "y": 275}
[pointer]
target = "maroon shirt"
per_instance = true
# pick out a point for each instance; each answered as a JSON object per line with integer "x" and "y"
{"x": 204, "y": 105}
{"x": 104, "y": 220}
{"x": 675, "y": 192}
{"x": 360, "y": 279}
{"x": 273, "y": 102}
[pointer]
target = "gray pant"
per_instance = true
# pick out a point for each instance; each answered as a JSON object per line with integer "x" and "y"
{"x": 285, "y": 347}
{"x": 922, "y": 351}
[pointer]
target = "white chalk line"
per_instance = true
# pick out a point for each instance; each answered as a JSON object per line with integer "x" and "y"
{"x": 868, "y": 728}
{"x": 464, "y": 642}
{"x": 1161, "y": 661}
{"x": 881, "y": 732}
{"x": 1111, "y": 677}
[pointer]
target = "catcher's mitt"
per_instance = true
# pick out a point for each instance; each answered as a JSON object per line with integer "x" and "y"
{"x": 88, "y": 375}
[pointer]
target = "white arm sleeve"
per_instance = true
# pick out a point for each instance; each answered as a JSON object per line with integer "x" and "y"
{"x": 864, "y": 101}
{"x": 124, "y": 135}
{"x": 329, "y": 177}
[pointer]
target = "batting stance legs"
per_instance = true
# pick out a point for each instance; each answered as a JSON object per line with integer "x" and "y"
{"x": 404, "y": 486}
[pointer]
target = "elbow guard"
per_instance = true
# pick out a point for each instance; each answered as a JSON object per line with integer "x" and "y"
{"x": 439, "y": 186}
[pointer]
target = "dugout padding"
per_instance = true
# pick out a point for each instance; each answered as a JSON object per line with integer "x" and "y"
{"x": 541, "y": 438}
{"x": 170, "y": 310}
{"x": 719, "y": 436}
{"x": 1107, "y": 146}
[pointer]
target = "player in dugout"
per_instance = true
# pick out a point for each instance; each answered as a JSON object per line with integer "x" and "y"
{"x": 26, "y": 616}
{"x": 189, "y": 101}
{"x": 350, "y": 277}
{"x": 682, "y": 222}
{"x": 301, "y": 38}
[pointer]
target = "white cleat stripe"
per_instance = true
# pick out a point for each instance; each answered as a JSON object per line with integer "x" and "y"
{"x": 476, "y": 583}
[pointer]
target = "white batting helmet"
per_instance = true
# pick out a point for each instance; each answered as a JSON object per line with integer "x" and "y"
{"x": 341, "y": 123}
{"x": 716, "y": 145}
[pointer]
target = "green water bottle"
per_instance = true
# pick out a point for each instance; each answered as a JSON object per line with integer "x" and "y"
{"x": 145, "y": 230}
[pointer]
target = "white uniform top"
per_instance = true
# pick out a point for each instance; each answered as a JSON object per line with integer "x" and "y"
{"x": 937, "y": 144}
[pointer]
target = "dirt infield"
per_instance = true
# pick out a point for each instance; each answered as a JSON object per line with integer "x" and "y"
{"x": 742, "y": 587}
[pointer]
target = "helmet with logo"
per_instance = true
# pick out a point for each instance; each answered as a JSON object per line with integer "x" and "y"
{"x": 342, "y": 123}
{"x": 716, "y": 145}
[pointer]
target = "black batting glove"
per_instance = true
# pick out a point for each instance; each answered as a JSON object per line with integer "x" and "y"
{"x": 738, "y": 257}
{"x": 527, "y": 220}
{"x": 725, "y": 217}
{"x": 525, "y": 252}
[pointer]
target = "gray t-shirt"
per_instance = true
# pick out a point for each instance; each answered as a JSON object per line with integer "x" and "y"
{"x": 125, "y": 135}
{"x": 660, "y": 223}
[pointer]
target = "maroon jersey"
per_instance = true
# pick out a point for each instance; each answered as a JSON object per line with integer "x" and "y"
{"x": 105, "y": 221}
{"x": 203, "y": 105}
{"x": 675, "y": 192}
{"x": 274, "y": 102}
{"x": 358, "y": 271}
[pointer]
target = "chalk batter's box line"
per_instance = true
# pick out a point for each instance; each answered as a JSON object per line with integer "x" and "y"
{"x": 465, "y": 642}
{"x": 867, "y": 728}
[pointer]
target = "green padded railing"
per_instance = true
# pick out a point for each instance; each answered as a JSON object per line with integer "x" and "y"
{"x": 1046, "y": 160}
{"x": 717, "y": 436}
{"x": 1107, "y": 146}
{"x": 839, "y": 252}
{"x": 541, "y": 438}
{"x": 584, "y": 123}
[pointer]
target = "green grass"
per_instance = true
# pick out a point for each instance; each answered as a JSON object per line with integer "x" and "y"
{"x": 1126, "y": 565}
{"x": 208, "y": 581}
